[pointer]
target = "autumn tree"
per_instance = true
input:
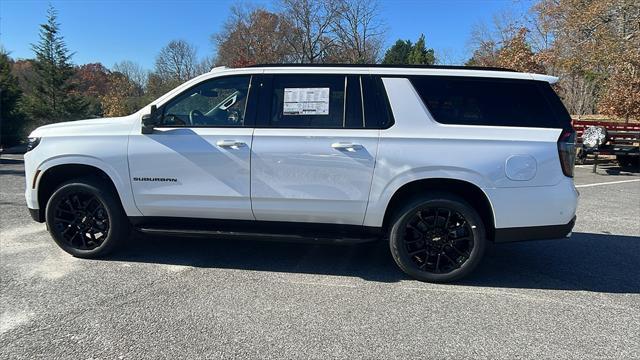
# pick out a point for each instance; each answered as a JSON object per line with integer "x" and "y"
{"x": 516, "y": 54}
{"x": 121, "y": 97}
{"x": 11, "y": 119}
{"x": 252, "y": 36}
{"x": 621, "y": 95}
{"x": 486, "y": 54}
{"x": 53, "y": 98}
{"x": 91, "y": 81}
{"x": 595, "y": 50}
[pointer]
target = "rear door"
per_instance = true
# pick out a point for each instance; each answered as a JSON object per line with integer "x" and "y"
{"x": 196, "y": 162}
{"x": 313, "y": 155}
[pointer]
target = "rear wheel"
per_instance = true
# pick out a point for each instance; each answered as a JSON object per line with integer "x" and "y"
{"x": 86, "y": 219}
{"x": 437, "y": 238}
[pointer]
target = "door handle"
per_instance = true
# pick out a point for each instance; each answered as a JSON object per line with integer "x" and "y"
{"x": 230, "y": 143}
{"x": 346, "y": 146}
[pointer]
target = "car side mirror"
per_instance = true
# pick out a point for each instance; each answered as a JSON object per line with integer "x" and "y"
{"x": 149, "y": 121}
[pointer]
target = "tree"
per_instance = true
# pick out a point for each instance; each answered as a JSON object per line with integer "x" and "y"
{"x": 486, "y": 54}
{"x": 420, "y": 55}
{"x": 311, "y": 23}
{"x": 621, "y": 95}
{"x": 358, "y": 31}
{"x": 91, "y": 79}
{"x": 512, "y": 51}
{"x": 516, "y": 54}
{"x": 53, "y": 98}
{"x": 594, "y": 50}
{"x": 252, "y": 36}
{"x": 398, "y": 54}
{"x": 122, "y": 97}
{"x": 11, "y": 120}
{"x": 156, "y": 86}
{"x": 403, "y": 52}
{"x": 176, "y": 62}
{"x": 133, "y": 71}
{"x": 90, "y": 82}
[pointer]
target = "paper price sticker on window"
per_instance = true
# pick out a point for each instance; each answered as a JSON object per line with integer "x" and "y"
{"x": 306, "y": 101}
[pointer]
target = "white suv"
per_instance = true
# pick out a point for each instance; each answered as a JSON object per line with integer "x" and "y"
{"x": 438, "y": 160}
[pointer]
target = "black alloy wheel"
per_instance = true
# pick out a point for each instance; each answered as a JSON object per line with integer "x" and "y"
{"x": 437, "y": 238}
{"x": 86, "y": 219}
{"x": 81, "y": 220}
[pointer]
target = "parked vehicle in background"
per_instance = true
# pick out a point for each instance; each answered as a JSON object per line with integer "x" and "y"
{"x": 438, "y": 160}
{"x": 604, "y": 137}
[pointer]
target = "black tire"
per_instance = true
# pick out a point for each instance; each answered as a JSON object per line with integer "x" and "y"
{"x": 85, "y": 218}
{"x": 430, "y": 219}
{"x": 628, "y": 161}
{"x": 581, "y": 156}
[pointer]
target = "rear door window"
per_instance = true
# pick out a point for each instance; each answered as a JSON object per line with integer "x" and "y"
{"x": 308, "y": 101}
{"x": 487, "y": 101}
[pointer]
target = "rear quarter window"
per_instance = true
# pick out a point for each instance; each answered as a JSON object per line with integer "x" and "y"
{"x": 489, "y": 101}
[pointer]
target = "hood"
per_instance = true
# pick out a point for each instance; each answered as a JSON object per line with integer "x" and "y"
{"x": 85, "y": 127}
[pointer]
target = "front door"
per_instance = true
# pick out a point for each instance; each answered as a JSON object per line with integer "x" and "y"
{"x": 196, "y": 162}
{"x": 312, "y": 157}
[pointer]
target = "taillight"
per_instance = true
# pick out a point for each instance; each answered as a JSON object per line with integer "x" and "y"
{"x": 567, "y": 151}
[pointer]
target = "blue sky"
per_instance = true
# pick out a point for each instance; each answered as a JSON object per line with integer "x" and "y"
{"x": 111, "y": 31}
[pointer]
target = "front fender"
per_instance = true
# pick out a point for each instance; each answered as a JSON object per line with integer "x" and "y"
{"x": 119, "y": 179}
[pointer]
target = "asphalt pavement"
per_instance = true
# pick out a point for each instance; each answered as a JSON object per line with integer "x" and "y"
{"x": 200, "y": 298}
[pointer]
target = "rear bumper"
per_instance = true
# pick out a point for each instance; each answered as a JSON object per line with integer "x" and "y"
{"x": 36, "y": 215}
{"x": 534, "y": 232}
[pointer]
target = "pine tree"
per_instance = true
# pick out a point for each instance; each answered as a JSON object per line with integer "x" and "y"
{"x": 420, "y": 55}
{"x": 10, "y": 117}
{"x": 53, "y": 98}
{"x": 398, "y": 53}
{"x": 403, "y": 52}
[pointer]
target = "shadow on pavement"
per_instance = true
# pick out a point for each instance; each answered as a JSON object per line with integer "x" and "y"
{"x": 370, "y": 261}
{"x": 586, "y": 261}
{"x": 622, "y": 170}
{"x": 11, "y": 161}
{"x": 12, "y": 172}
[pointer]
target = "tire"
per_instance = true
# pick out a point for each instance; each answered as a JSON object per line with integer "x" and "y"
{"x": 425, "y": 218}
{"x": 628, "y": 161}
{"x": 581, "y": 156}
{"x": 85, "y": 218}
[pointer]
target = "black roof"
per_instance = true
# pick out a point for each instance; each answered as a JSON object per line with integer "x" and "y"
{"x": 452, "y": 67}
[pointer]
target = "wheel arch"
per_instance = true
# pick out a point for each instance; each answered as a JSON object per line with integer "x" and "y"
{"x": 59, "y": 170}
{"x": 470, "y": 192}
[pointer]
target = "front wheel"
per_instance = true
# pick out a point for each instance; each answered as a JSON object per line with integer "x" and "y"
{"x": 86, "y": 219}
{"x": 437, "y": 238}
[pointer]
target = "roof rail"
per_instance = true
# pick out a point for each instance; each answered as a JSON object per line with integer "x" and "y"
{"x": 453, "y": 67}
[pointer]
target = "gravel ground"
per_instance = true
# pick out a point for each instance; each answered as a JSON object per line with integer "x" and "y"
{"x": 197, "y": 298}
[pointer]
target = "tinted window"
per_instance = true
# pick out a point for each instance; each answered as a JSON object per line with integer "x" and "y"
{"x": 216, "y": 102}
{"x": 353, "y": 111}
{"x": 377, "y": 110}
{"x": 484, "y": 101}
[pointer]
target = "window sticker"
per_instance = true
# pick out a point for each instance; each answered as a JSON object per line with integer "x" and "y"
{"x": 306, "y": 101}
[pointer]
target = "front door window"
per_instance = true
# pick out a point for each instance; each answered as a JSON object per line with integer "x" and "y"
{"x": 213, "y": 103}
